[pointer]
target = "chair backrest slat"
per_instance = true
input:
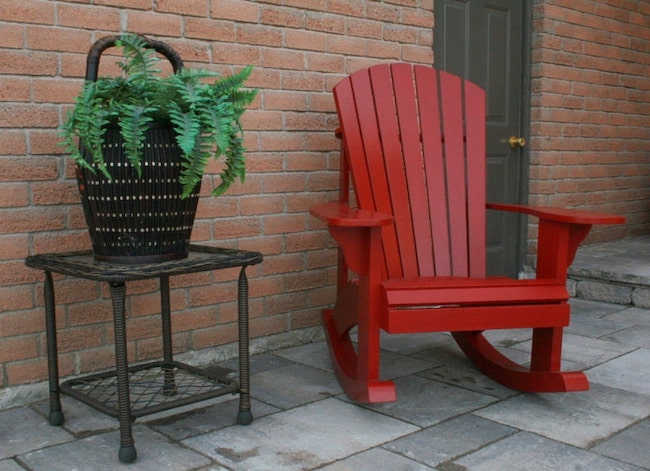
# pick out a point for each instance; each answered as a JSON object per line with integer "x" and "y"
{"x": 415, "y": 145}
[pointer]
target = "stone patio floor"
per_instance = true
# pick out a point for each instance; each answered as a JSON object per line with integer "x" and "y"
{"x": 448, "y": 416}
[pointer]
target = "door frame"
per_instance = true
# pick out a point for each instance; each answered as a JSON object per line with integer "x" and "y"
{"x": 525, "y": 127}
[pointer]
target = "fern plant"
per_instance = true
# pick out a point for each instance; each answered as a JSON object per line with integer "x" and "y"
{"x": 205, "y": 115}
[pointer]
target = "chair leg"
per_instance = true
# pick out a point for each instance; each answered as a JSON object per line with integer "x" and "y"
{"x": 358, "y": 373}
{"x": 501, "y": 369}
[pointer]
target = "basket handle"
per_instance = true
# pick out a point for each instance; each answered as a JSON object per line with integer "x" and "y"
{"x": 92, "y": 62}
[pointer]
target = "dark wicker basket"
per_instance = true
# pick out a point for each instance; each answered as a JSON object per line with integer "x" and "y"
{"x": 131, "y": 218}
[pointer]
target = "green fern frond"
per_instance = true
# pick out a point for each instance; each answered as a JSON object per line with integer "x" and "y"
{"x": 203, "y": 108}
{"x": 235, "y": 166}
{"x": 133, "y": 126}
{"x": 187, "y": 127}
{"x": 140, "y": 60}
{"x": 194, "y": 165}
{"x": 231, "y": 82}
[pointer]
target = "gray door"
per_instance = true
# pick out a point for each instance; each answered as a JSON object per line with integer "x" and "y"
{"x": 485, "y": 41}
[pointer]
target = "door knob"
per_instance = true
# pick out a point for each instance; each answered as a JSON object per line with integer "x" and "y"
{"x": 515, "y": 142}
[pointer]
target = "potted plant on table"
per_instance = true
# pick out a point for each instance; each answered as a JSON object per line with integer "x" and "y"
{"x": 142, "y": 142}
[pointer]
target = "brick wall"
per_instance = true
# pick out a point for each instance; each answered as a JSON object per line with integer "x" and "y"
{"x": 590, "y": 106}
{"x": 299, "y": 48}
{"x": 590, "y": 118}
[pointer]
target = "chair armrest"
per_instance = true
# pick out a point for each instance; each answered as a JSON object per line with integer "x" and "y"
{"x": 560, "y": 233}
{"x": 572, "y": 216}
{"x": 339, "y": 214}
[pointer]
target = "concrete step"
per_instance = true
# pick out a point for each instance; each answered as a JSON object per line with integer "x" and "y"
{"x": 615, "y": 272}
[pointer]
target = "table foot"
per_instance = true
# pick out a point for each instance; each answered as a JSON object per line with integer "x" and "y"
{"x": 55, "y": 417}
{"x": 127, "y": 454}
{"x": 244, "y": 417}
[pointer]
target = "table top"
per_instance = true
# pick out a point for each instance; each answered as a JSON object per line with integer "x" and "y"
{"x": 200, "y": 258}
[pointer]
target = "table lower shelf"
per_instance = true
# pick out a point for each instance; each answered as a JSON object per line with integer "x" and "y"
{"x": 153, "y": 387}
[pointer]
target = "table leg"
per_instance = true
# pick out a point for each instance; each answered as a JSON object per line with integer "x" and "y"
{"x": 56, "y": 412}
{"x": 127, "y": 452}
{"x": 245, "y": 416}
{"x": 169, "y": 386}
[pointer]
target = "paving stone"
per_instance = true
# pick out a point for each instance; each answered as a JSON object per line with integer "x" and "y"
{"x": 313, "y": 354}
{"x": 628, "y": 372}
{"x": 594, "y": 308}
{"x": 578, "y": 418}
{"x": 198, "y": 421}
{"x": 440, "y": 443}
{"x": 638, "y": 335}
{"x": 99, "y": 453}
{"x": 585, "y": 351}
{"x": 378, "y": 459}
{"x": 408, "y": 344}
{"x": 424, "y": 402}
{"x": 632, "y": 315}
{"x": 629, "y": 446}
{"x": 590, "y": 319}
{"x": 293, "y": 385}
{"x": 525, "y": 451}
{"x": 393, "y": 365}
{"x": 24, "y": 430}
{"x": 471, "y": 379}
{"x": 80, "y": 418}
{"x": 303, "y": 438}
{"x": 258, "y": 363}
{"x": 452, "y": 356}
{"x": 10, "y": 465}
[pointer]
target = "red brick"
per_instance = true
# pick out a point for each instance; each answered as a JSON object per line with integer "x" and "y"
{"x": 155, "y": 24}
{"x": 238, "y": 10}
{"x": 137, "y": 4}
{"x": 12, "y": 36}
{"x": 18, "y": 348}
{"x": 94, "y": 359}
{"x": 283, "y": 223}
{"x": 91, "y": 17}
{"x": 14, "y": 195}
{"x": 11, "y": 143}
{"x": 269, "y": 325}
{"x": 268, "y": 245}
{"x": 236, "y": 54}
{"x": 28, "y": 11}
{"x": 213, "y": 336}
{"x": 16, "y": 169}
{"x": 17, "y": 298}
{"x": 262, "y": 204}
{"x": 28, "y": 62}
{"x": 28, "y": 115}
{"x": 347, "y": 7}
{"x": 283, "y": 59}
{"x": 46, "y": 38}
{"x": 31, "y": 220}
{"x": 237, "y": 228}
{"x": 259, "y": 35}
{"x": 301, "y": 39}
{"x": 326, "y": 23}
{"x": 29, "y": 371}
{"x": 279, "y": 16}
{"x": 213, "y": 30}
{"x": 186, "y": 7}
{"x": 55, "y": 192}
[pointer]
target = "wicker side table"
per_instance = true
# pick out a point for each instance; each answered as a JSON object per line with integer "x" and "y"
{"x": 131, "y": 392}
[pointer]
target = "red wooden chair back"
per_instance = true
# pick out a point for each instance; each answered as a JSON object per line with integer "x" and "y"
{"x": 421, "y": 160}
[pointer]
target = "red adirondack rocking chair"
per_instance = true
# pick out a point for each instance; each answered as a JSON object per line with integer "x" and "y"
{"x": 413, "y": 141}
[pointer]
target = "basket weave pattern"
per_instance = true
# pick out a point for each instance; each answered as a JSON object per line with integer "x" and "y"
{"x": 135, "y": 218}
